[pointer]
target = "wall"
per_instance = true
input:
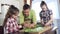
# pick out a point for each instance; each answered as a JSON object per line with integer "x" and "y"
{"x": 59, "y": 6}
{"x": 58, "y": 21}
{"x": 0, "y": 6}
{"x": 52, "y": 5}
{"x": 18, "y": 3}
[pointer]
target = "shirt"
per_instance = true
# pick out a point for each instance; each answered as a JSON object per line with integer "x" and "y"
{"x": 31, "y": 16}
{"x": 11, "y": 25}
{"x": 45, "y": 15}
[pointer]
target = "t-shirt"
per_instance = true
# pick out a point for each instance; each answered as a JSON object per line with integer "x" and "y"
{"x": 11, "y": 25}
{"x": 31, "y": 16}
{"x": 45, "y": 15}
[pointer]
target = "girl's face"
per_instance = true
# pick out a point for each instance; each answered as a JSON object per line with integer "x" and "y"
{"x": 15, "y": 15}
{"x": 44, "y": 8}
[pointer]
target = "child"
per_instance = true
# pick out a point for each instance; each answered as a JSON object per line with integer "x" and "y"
{"x": 10, "y": 22}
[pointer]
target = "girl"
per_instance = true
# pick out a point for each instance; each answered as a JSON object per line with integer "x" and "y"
{"x": 10, "y": 22}
{"x": 46, "y": 16}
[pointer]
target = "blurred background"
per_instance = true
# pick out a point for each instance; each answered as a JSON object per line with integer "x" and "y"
{"x": 53, "y": 5}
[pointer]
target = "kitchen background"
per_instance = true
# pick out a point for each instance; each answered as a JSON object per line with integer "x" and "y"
{"x": 54, "y": 5}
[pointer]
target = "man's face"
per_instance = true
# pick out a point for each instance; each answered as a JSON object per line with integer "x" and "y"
{"x": 44, "y": 8}
{"x": 26, "y": 12}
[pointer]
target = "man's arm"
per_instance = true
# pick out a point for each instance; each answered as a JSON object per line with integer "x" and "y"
{"x": 34, "y": 17}
{"x": 21, "y": 18}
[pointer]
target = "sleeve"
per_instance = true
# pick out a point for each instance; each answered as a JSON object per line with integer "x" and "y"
{"x": 7, "y": 26}
{"x": 50, "y": 12}
{"x": 34, "y": 16}
{"x": 21, "y": 18}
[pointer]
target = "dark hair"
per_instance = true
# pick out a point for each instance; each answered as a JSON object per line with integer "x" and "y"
{"x": 43, "y": 3}
{"x": 11, "y": 11}
{"x": 26, "y": 6}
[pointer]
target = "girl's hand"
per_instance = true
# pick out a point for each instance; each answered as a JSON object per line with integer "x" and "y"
{"x": 47, "y": 24}
{"x": 42, "y": 23}
{"x": 20, "y": 26}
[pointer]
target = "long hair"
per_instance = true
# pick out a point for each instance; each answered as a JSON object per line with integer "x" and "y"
{"x": 43, "y": 3}
{"x": 11, "y": 11}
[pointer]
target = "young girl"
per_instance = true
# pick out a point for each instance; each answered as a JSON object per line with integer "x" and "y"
{"x": 46, "y": 16}
{"x": 10, "y": 22}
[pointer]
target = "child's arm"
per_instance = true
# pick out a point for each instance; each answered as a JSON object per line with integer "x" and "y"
{"x": 7, "y": 27}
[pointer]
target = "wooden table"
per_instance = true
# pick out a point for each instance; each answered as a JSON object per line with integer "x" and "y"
{"x": 41, "y": 32}
{"x": 46, "y": 29}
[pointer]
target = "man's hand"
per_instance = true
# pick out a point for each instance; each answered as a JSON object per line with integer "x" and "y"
{"x": 27, "y": 25}
{"x": 32, "y": 25}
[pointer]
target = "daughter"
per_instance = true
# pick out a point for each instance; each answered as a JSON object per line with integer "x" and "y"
{"x": 10, "y": 22}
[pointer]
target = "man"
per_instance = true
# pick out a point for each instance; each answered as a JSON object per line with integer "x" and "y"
{"x": 27, "y": 14}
